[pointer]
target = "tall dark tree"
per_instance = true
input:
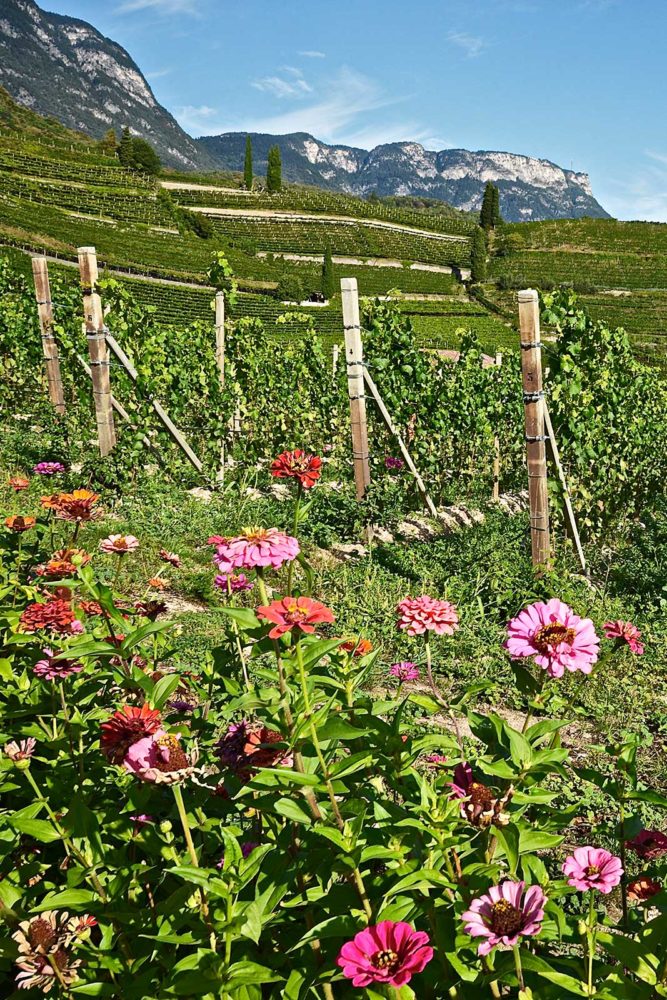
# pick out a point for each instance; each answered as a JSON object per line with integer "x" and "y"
{"x": 126, "y": 148}
{"x": 486, "y": 214}
{"x": 328, "y": 279}
{"x": 274, "y": 171}
{"x": 478, "y": 255}
{"x": 497, "y": 217}
{"x": 247, "y": 166}
{"x": 144, "y": 157}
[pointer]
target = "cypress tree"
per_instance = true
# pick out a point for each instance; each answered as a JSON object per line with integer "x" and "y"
{"x": 126, "y": 148}
{"x": 247, "y": 166}
{"x": 486, "y": 214}
{"x": 274, "y": 180}
{"x": 497, "y": 217}
{"x": 478, "y": 255}
{"x": 328, "y": 279}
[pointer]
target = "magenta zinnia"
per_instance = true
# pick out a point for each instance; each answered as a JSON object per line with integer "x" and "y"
{"x": 625, "y": 632}
{"x": 404, "y": 671}
{"x": 52, "y": 669}
{"x": 254, "y": 548}
{"x": 554, "y": 637}
{"x": 503, "y": 915}
{"x": 389, "y": 952}
{"x": 593, "y": 868}
{"x": 418, "y": 615}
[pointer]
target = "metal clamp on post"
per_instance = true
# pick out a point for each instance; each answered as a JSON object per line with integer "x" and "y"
{"x": 532, "y": 438}
{"x": 531, "y": 345}
{"x": 533, "y": 397}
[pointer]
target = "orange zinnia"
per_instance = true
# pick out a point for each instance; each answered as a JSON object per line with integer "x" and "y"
{"x": 19, "y": 524}
{"x": 75, "y": 506}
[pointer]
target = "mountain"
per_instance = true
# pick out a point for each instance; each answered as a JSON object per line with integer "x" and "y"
{"x": 62, "y": 67}
{"x": 529, "y": 188}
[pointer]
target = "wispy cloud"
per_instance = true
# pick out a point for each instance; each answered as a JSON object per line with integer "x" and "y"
{"x": 472, "y": 45}
{"x": 291, "y": 84}
{"x": 312, "y": 54}
{"x": 157, "y": 74}
{"x": 159, "y": 6}
{"x": 199, "y": 120}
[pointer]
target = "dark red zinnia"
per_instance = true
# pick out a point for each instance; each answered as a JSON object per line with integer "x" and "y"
{"x": 54, "y": 616}
{"x": 299, "y": 465}
{"x": 126, "y": 726}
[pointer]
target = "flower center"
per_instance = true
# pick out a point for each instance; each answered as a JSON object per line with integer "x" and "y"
{"x": 592, "y": 870}
{"x": 480, "y": 795}
{"x": 506, "y": 919}
{"x": 255, "y": 534}
{"x": 172, "y": 757}
{"x": 550, "y": 636}
{"x": 42, "y": 935}
{"x": 386, "y": 960}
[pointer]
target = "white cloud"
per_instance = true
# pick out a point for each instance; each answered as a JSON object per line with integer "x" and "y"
{"x": 159, "y": 6}
{"x": 642, "y": 195}
{"x": 472, "y": 45}
{"x": 199, "y": 120}
{"x": 312, "y": 54}
{"x": 157, "y": 74}
{"x": 292, "y": 85}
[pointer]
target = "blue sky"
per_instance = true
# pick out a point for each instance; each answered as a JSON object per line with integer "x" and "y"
{"x": 579, "y": 82}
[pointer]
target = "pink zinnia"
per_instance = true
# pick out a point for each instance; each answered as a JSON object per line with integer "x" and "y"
{"x": 649, "y": 844}
{"x": 255, "y": 548}
{"x": 234, "y": 582}
{"x": 405, "y": 671}
{"x": 159, "y": 758}
{"x": 554, "y": 637}
{"x": 504, "y": 914}
{"x": 625, "y": 632}
{"x": 418, "y": 615}
{"x": 56, "y": 670}
{"x": 119, "y": 544}
{"x": 593, "y": 868}
{"x": 48, "y": 468}
{"x": 387, "y": 953}
{"x": 22, "y": 750}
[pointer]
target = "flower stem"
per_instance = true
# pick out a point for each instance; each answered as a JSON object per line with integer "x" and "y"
{"x": 436, "y": 694}
{"x": 183, "y": 816}
{"x": 590, "y": 935}
{"x": 621, "y": 851}
{"x": 517, "y": 965}
{"x": 239, "y": 646}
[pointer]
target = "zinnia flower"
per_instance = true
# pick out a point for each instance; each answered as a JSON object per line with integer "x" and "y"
{"x": 18, "y": 524}
{"x": 150, "y": 609}
{"x": 593, "y": 868}
{"x": 357, "y": 647}
{"x": 43, "y": 942}
{"x": 126, "y": 726}
{"x": 554, "y": 637}
{"x": 48, "y": 468}
{"x": 503, "y": 915}
{"x": 19, "y": 483}
{"x": 119, "y": 545}
{"x": 75, "y": 506}
{"x": 297, "y": 465}
{"x": 649, "y": 844}
{"x": 404, "y": 671}
{"x": 418, "y": 615}
{"x": 393, "y": 463}
{"x": 54, "y": 616}
{"x": 625, "y": 632}
{"x": 643, "y": 888}
{"x": 50, "y": 502}
{"x": 23, "y": 750}
{"x": 435, "y": 759}
{"x": 56, "y": 670}
{"x": 234, "y": 581}
{"x": 389, "y": 953}
{"x": 479, "y": 805}
{"x": 247, "y": 746}
{"x": 159, "y": 759}
{"x": 289, "y": 613}
{"x": 255, "y": 548}
{"x": 63, "y": 563}
{"x": 157, "y": 583}
{"x": 170, "y": 557}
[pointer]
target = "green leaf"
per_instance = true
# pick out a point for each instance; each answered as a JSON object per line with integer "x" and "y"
{"x": 292, "y": 810}
{"x": 509, "y": 837}
{"x": 40, "y": 829}
{"x": 164, "y": 689}
{"x": 66, "y": 899}
{"x": 245, "y": 618}
{"x": 338, "y": 729}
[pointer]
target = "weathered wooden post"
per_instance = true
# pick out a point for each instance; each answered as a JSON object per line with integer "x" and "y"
{"x": 496, "y": 449}
{"x": 40, "y": 272}
{"x": 355, "y": 384}
{"x": 533, "y": 395}
{"x": 97, "y": 349}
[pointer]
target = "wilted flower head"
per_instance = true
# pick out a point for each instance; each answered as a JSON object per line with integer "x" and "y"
{"x": 170, "y": 557}
{"x": 248, "y": 745}
{"x": 55, "y": 616}
{"x": 119, "y": 545}
{"x": 298, "y": 465}
{"x": 254, "y": 548}
{"x": 18, "y": 524}
{"x": 157, "y": 583}
{"x": 388, "y": 952}
{"x": 554, "y": 637}
{"x": 51, "y": 669}
{"x": 418, "y": 615}
{"x": 503, "y": 915}
{"x": 593, "y": 868}
{"x": 48, "y": 468}
{"x": 233, "y": 582}
{"x": 294, "y": 613}
{"x": 75, "y": 506}
{"x": 43, "y": 943}
{"x": 150, "y": 609}
{"x": 640, "y": 889}
{"x": 19, "y": 483}
{"x": 648, "y": 844}
{"x": 126, "y": 726}
{"x": 357, "y": 647}
{"x": 625, "y": 632}
{"x": 160, "y": 759}
{"x": 479, "y": 805}
{"x": 23, "y": 750}
{"x": 406, "y": 670}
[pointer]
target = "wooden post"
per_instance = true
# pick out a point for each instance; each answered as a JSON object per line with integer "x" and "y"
{"x": 355, "y": 384}
{"x": 533, "y": 396}
{"x": 567, "y": 499}
{"x": 40, "y": 272}
{"x": 496, "y": 449}
{"x": 97, "y": 349}
{"x": 220, "y": 361}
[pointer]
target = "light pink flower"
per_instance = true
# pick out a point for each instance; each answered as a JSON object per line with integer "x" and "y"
{"x": 405, "y": 671}
{"x": 503, "y": 915}
{"x": 255, "y": 548}
{"x": 418, "y": 615}
{"x": 234, "y": 582}
{"x": 170, "y": 557}
{"x": 625, "y": 632}
{"x": 593, "y": 868}
{"x": 160, "y": 759}
{"x": 56, "y": 670}
{"x": 119, "y": 545}
{"x": 386, "y": 953}
{"x": 554, "y": 637}
{"x": 22, "y": 750}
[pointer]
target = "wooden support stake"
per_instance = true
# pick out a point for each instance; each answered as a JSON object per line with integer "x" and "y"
{"x": 40, "y": 272}
{"x": 355, "y": 384}
{"x": 375, "y": 393}
{"x": 97, "y": 349}
{"x": 220, "y": 361}
{"x": 118, "y": 406}
{"x": 157, "y": 406}
{"x": 567, "y": 499}
{"x": 533, "y": 395}
{"x": 496, "y": 449}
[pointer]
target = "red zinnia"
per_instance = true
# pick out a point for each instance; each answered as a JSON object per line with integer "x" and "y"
{"x": 126, "y": 726}
{"x": 294, "y": 613}
{"x": 75, "y": 506}
{"x": 643, "y": 888}
{"x": 625, "y": 632}
{"x": 357, "y": 647}
{"x": 649, "y": 844}
{"x": 299, "y": 465}
{"x": 19, "y": 483}
{"x": 55, "y": 616}
{"x": 62, "y": 564}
